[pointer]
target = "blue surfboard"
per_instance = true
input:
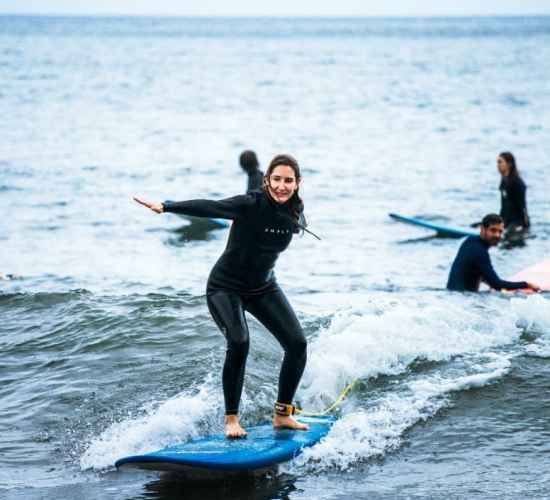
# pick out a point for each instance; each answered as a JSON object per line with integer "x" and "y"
{"x": 201, "y": 221}
{"x": 263, "y": 448}
{"x": 441, "y": 230}
{"x": 222, "y": 223}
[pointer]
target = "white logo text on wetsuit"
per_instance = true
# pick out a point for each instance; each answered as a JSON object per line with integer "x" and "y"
{"x": 276, "y": 231}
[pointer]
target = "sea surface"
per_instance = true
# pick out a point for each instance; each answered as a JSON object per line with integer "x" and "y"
{"x": 106, "y": 345}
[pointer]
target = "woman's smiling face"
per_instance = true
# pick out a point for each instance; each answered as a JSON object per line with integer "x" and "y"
{"x": 282, "y": 183}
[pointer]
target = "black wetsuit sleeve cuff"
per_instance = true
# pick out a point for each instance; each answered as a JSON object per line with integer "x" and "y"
{"x": 513, "y": 285}
{"x": 167, "y": 206}
{"x": 181, "y": 207}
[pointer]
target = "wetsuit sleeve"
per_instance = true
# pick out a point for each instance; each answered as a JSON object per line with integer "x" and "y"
{"x": 229, "y": 208}
{"x": 490, "y": 277}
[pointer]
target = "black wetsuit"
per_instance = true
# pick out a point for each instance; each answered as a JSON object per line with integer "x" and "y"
{"x": 513, "y": 206}
{"x": 472, "y": 264}
{"x": 255, "y": 180}
{"x": 243, "y": 280}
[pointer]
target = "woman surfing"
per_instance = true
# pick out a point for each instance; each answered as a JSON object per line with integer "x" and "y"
{"x": 243, "y": 279}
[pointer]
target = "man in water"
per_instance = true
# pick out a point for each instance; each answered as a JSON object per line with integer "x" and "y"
{"x": 249, "y": 163}
{"x": 473, "y": 264}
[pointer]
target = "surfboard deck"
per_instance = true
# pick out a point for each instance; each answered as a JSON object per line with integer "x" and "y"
{"x": 262, "y": 449}
{"x": 539, "y": 274}
{"x": 441, "y": 230}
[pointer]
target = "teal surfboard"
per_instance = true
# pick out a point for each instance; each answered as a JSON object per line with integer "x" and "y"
{"x": 441, "y": 230}
{"x": 262, "y": 449}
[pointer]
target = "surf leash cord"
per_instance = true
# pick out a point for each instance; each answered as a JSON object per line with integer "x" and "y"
{"x": 332, "y": 407}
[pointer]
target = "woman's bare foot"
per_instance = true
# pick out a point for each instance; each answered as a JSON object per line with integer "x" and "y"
{"x": 280, "y": 422}
{"x": 233, "y": 428}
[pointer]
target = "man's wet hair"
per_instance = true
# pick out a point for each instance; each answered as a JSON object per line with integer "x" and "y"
{"x": 249, "y": 161}
{"x": 491, "y": 220}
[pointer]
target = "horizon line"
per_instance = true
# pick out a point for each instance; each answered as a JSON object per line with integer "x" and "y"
{"x": 273, "y": 16}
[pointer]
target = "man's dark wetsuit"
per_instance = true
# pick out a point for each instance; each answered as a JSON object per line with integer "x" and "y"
{"x": 472, "y": 265}
{"x": 512, "y": 202}
{"x": 255, "y": 180}
{"x": 243, "y": 280}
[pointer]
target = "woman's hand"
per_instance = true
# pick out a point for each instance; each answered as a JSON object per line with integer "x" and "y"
{"x": 533, "y": 287}
{"x": 155, "y": 207}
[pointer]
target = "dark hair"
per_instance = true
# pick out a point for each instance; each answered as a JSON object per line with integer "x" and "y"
{"x": 248, "y": 161}
{"x": 296, "y": 203}
{"x": 511, "y": 161}
{"x": 491, "y": 220}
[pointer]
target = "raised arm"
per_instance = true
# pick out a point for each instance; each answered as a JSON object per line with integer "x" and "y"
{"x": 229, "y": 208}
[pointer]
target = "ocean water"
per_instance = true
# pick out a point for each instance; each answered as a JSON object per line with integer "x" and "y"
{"x": 106, "y": 344}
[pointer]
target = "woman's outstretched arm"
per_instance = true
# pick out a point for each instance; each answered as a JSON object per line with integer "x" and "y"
{"x": 229, "y": 208}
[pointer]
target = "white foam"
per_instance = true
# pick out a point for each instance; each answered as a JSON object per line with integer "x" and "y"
{"x": 175, "y": 420}
{"x": 388, "y": 337}
{"x": 533, "y": 313}
{"x": 364, "y": 434}
{"x": 384, "y": 338}
{"x": 539, "y": 349}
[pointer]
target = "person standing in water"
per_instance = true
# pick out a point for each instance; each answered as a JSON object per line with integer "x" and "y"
{"x": 249, "y": 163}
{"x": 473, "y": 263}
{"x": 243, "y": 280}
{"x": 513, "y": 205}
